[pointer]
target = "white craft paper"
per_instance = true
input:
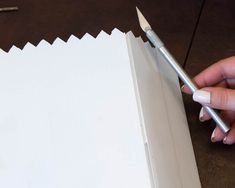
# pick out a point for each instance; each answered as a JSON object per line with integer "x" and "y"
{"x": 170, "y": 153}
{"x": 93, "y": 112}
{"x": 68, "y": 116}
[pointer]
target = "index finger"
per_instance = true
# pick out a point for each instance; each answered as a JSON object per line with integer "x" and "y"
{"x": 214, "y": 74}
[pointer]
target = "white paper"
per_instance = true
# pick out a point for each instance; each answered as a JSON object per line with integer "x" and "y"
{"x": 68, "y": 116}
{"x": 170, "y": 152}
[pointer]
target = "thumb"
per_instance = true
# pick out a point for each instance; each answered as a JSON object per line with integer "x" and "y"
{"x": 216, "y": 97}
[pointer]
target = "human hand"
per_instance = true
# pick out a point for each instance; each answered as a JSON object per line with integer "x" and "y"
{"x": 217, "y": 84}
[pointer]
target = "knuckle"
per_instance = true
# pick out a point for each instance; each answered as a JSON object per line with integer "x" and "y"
{"x": 221, "y": 99}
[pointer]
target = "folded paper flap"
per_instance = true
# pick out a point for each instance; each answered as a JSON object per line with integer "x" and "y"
{"x": 161, "y": 106}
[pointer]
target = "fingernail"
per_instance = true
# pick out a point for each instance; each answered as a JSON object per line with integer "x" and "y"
{"x": 201, "y": 115}
{"x": 182, "y": 88}
{"x": 224, "y": 140}
{"x": 213, "y": 136}
{"x": 202, "y": 96}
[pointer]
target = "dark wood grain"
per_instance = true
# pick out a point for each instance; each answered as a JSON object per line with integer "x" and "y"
{"x": 214, "y": 40}
{"x": 48, "y": 19}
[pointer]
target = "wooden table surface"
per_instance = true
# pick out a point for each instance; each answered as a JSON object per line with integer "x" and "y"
{"x": 214, "y": 40}
{"x": 197, "y": 32}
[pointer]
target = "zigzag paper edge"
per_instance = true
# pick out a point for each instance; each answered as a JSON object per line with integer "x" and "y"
{"x": 58, "y": 40}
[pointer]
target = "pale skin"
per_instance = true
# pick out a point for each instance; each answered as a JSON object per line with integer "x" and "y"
{"x": 217, "y": 84}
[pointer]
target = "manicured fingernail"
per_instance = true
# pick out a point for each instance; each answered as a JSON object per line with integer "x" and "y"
{"x": 224, "y": 140}
{"x": 201, "y": 115}
{"x": 213, "y": 136}
{"x": 182, "y": 87}
{"x": 202, "y": 96}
